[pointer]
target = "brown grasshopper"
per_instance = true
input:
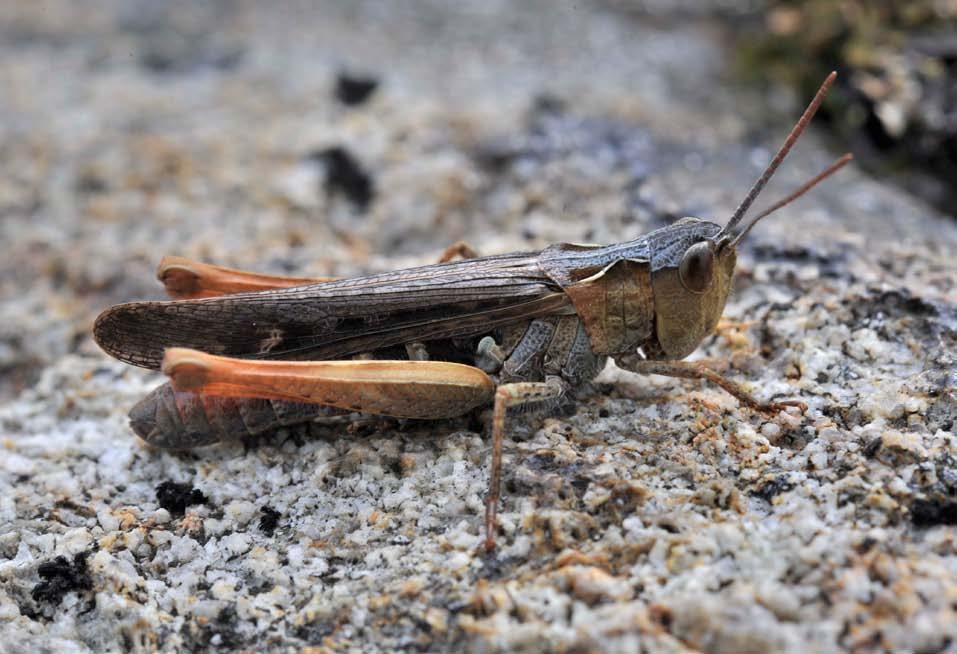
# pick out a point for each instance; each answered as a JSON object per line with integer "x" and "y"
{"x": 248, "y": 352}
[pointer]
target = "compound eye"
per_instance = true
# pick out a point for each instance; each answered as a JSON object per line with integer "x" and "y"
{"x": 697, "y": 267}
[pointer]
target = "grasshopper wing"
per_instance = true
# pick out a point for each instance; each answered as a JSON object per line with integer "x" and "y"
{"x": 336, "y": 319}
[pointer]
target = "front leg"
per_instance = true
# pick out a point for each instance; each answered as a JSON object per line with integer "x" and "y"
{"x": 694, "y": 370}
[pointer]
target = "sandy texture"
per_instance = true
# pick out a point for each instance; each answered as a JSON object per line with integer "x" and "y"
{"x": 652, "y": 514}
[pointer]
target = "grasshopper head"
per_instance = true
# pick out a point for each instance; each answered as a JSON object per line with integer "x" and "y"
{"x": 691, "y": 277}
{"x": 693, "y": 260}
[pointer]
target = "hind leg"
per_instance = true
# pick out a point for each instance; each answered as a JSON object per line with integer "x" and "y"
{"x": 401, "y": 389}
{"x": 185, "y": 279}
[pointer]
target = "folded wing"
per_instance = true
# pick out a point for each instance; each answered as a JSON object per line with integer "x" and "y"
{"x": 335, "y": 319}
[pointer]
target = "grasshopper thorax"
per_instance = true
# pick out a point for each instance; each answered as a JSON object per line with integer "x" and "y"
{"x": 663, "y": 292}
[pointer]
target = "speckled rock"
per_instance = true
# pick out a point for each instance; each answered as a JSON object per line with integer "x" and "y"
{"x": 652, "y": 514}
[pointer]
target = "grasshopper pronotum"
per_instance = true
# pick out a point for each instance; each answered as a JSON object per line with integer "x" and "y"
{"x": 245, "y": 352}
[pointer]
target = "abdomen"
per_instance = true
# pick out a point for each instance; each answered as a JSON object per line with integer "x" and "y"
{"x": 171, "y": 420}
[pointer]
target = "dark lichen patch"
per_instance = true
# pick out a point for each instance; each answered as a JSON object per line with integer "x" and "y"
{"x": 872, "y": 447}
{"x": 896, "y": 311}
{"x": 932, "y": 512}
{"x": 894, "y": 303}
{"x": 939, "y": 383}
{"x": 771, "y": 486}
{"x": 847, "y": 417}
{"x": 554, "y": 485}
{"x": 175, "y": 497}
{"x": 90, "y": 182}
{"x": 61, "y": 576}
{"x": 353, "y": 89}
{"x": 935, "y": 485}
{"x": 213, "y": 635}
{"x": 829, "y": 263}
{"x": 626, "y": 496}
{"x": 268, "y": 520}
{"x": 543, "y": 461}
{"x": 345, "y": 175}
{"x": 865, "y": 545}
{"x": 318, "y": 631}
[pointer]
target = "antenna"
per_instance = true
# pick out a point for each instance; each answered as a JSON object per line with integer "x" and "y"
{"x": 807, "y": 186}
{"x": 779, "y": 157}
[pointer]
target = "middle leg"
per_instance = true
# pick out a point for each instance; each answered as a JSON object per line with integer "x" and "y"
{"x": 458, "y": 249}
{"x": 507, "y": 396}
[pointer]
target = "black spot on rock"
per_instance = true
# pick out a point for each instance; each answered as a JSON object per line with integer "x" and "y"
{"x": 872, "y": 447}
{"x": 346, "y": 176}
{"x": 175, "y": 497}
{"x": 268, "y": 520}
{"x": 933, "y": 512}
{"x": 580, "y": 484}
{"x": 667, "y": 525}
{"x": 772, "y": 487}
{"x": 830, "y": 262}
{"x": 160, "y": 60}
{"x": 548, "y": 104}
{"x": 542, "y": 461}
{"x": 493, "y": 565}
{"x": 61, "y": 576}
{"x": 354, "y": 89}
{"x": 90, "y": 182}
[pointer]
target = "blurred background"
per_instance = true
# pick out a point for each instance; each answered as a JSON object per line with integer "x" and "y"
{"x": 341, "y": 137}
{"x": 897, "y": 102}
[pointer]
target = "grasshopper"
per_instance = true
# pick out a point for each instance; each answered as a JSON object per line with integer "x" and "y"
{"x": 247, "y": 352}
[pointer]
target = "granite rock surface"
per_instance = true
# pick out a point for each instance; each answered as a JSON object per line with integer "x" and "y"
{"x": 651, "y": 514}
